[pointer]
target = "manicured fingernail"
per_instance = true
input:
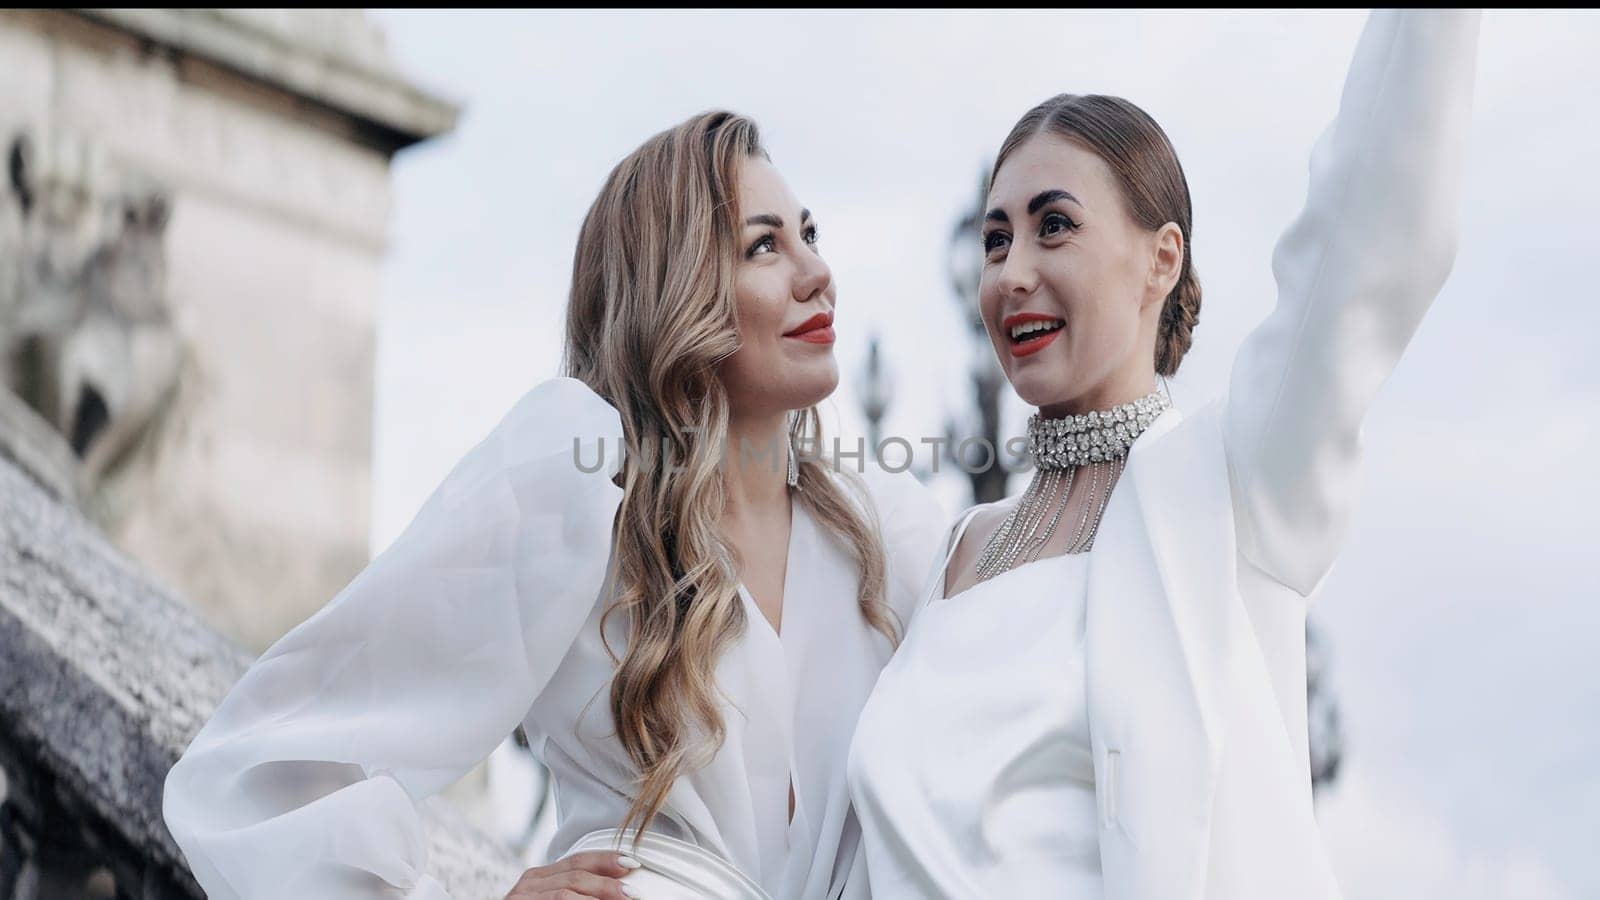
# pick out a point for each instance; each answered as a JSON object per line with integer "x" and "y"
{"x": 630, "y": 890}
{"x": 628, "y": 862}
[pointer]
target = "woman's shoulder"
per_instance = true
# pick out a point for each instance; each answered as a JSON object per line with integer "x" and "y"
{"x": 897, "y": 495}
{"x": 979, "y": 520}
{"x": 563, "y": 411}
{"x": 554, "y": 452}
{"x": 911, "y": 518}
{"x": 979, "y": 512}
{"x": 561, "y": 420}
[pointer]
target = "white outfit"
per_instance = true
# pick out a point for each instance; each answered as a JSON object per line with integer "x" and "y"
{"x": 1002, "y": 802}
{"x": 671, "y": 869}
{"x": 485, "y": 614}
{"x": 1222, "y": 528}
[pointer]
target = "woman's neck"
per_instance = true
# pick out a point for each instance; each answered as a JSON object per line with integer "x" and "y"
{"x": 1109, "y": 393}
{"x": 756, "y": 463}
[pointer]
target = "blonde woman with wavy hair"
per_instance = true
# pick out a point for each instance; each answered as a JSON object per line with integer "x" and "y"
{"x": 683, "y": 614}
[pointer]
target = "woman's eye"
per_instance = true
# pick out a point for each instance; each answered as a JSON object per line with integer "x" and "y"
{"x": 1054, "y": 224}
{"x": 810, "y": 235}
{"x": 763, "y": 245}
{"x": 994, "y": 240}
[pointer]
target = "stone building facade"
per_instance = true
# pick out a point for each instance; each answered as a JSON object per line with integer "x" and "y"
{"x": 194, "y": 218}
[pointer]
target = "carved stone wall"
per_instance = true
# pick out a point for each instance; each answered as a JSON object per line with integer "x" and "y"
{"x": 191, "y": 229}
{"x": 86, "y": 335}
{"x": 104, "y": 680}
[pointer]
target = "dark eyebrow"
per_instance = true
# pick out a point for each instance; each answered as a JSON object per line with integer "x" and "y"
{"x": 805, "y": 215}
{"x": 1050, "y": 196}
{"x": 999, "y": 215}
{"x": 765, "y": 219}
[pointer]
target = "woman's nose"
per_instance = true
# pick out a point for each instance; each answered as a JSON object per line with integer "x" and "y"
{"x": 1018, "y": 275}
{"x": 812, "y": 279}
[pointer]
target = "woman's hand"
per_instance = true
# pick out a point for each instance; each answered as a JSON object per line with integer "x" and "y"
{"x": 581, "y": 876}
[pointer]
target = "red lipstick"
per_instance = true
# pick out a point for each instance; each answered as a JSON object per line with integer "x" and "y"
{"x": 1033, "y": 340}
{"x": 816, "y": 330}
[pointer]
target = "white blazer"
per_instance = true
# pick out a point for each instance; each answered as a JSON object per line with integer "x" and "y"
{"x": 1225, "y": 523}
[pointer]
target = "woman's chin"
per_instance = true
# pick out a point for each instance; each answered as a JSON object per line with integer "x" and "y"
{"x": 1036, "y": 389}
{"x": 808, "y": 388}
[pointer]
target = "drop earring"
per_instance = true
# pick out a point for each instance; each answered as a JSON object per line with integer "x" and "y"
{"x": 794, "y": 468}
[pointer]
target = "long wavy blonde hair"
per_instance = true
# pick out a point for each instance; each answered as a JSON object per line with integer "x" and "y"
{"x": 650, "y": 318}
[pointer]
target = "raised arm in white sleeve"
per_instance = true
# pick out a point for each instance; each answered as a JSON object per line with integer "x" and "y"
{"x": 1355, "y": 271}
{"x": 305, "y": 781}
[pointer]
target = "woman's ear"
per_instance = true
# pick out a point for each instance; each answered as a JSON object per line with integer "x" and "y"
{"x": 1166, "y": 263}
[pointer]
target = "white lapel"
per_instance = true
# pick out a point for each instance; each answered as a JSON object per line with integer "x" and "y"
{"x": 1156, "y": 643}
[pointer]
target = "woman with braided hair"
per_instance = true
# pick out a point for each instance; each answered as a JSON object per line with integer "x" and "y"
{"x": 1103, "y": 692}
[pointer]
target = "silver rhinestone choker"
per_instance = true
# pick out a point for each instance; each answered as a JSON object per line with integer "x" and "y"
{"x": 1094, "y": 446}
{"x": 1092, "y": 437}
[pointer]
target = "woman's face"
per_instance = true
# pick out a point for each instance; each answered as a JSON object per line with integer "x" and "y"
{"x": 784, "y": 298}
{"x": 1072, "y": 285}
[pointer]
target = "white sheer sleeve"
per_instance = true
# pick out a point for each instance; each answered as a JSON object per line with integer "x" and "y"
{"x": 915, "y": 527}
{"x": 1356, "y": 272}
{"x": 304, "y": 781}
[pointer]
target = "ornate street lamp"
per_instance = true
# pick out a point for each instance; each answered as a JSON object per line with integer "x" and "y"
{"x": 965, "y": 269}
{"x": 877, "y": 392}
{"x": 1322, "y": 713}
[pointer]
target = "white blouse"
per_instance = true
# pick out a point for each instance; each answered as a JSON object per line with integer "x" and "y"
{"x": 971, "y": 770}
{"x": 484, "y": 615}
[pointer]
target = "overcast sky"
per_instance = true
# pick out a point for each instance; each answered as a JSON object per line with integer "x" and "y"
{"x": 1462, "y": 617}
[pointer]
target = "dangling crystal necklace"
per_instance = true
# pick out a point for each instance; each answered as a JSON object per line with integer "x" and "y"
{"x": 1095, "y": 441}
